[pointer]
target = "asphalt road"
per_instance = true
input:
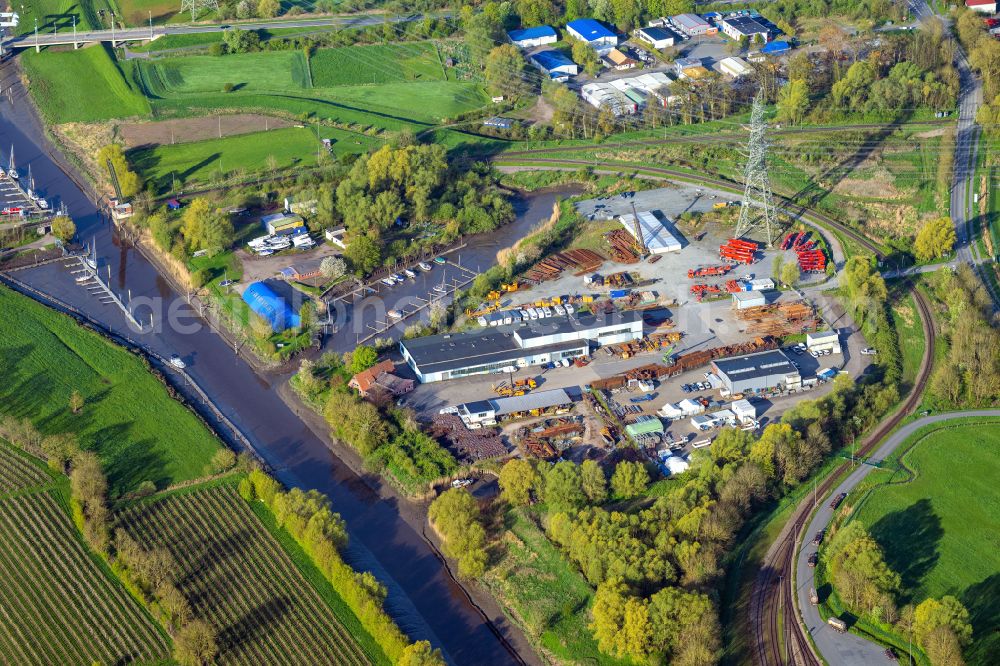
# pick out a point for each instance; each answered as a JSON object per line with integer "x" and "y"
{"x": 849, "y": 649}
{"x": 29, "y": 39}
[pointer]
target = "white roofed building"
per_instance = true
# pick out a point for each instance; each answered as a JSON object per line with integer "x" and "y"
{"x": 655, "y": 235}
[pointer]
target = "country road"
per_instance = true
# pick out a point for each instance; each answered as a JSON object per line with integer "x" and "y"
{"x": 30, "y": 39}
{"x": 850, "y": 649}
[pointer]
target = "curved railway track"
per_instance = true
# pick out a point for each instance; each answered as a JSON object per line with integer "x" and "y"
{"x": 778, "y": 634}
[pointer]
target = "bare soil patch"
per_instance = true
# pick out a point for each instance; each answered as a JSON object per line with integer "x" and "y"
{"x": 182, "y": 130}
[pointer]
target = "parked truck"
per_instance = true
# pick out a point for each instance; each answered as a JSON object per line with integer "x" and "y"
{"x": 837, "y": 624}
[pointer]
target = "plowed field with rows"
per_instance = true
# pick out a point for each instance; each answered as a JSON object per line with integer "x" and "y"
{"x": 58, "y": 605}
{"x": 237, "y": 577}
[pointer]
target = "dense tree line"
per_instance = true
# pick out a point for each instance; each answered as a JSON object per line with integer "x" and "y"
{"x": 969, "y": 375}
{"x": 320, "y": 532}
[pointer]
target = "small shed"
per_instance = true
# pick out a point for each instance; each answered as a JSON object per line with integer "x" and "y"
{"x": 744, "y": 410}
{"x": 689, "y": 407}
{"x": 724, "y": 416}
{"x": 823, "y": 341}
{"x": 702, "y": 421}
{"x": 748, "y": 299}
{"x": 670, "y": 411}
{"x": 283, "y": 224}
{"x": 336, "y": 236}
{"x": 173, "y": 204}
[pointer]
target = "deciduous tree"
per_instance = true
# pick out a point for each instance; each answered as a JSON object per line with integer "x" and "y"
{"x": 563, "y": 491}
{"x": 517, "y": 479}
{"x": 195, "y": 644}
{"x": 63, "y": 228}
{"x": 935, "y": 239}
{"x": 629, "y": 480}
{"x": 593, "y": 481}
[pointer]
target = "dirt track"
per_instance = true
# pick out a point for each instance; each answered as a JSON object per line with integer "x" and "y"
{"x": 183, "y": 130}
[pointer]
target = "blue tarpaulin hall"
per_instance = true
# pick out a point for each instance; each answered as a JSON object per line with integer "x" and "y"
{"x": 273, "y": 308}
{"x": 776, "y": 48}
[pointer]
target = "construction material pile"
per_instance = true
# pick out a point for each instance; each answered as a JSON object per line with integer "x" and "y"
{"x": 467, "y": 445}
{"x": 738, "y": 251}
{"x": 702, "y": 290}
{"x": 709, "y": 271}
{"x": 695, "y": 359}
{"x": 623, "y": 246}
{"x": 580, "y": 261}
{"x": 648, "y": 344}
{"x": 780, "y": 319}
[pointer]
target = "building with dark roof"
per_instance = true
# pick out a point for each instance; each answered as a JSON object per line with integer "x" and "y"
{"x": 757, "y": 372}
{"x": 658, "y": 37}
{"x": 527, "y": 38}
{"x": 747, "y": 26}
{"x": 506, "y": 348}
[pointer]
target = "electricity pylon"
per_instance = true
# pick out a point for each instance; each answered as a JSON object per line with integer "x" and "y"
{"x": 757, "y": 210}
{"x": 197, "y": 5}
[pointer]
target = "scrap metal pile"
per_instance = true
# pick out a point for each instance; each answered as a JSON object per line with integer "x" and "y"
{"x": 546, "y": 440}
{"x": 580, "y": 261}
{"x": 780, "y": 319}
{"x": 467, "y": 445}
{"x": 647, "y": 344}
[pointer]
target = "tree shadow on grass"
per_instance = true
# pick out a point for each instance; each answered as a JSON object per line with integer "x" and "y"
{"x": 256, "y": 622}
{"x": 983, "y": 602}
{"x": 910, "y": 539}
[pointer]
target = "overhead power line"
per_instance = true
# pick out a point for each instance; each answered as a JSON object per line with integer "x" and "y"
{"x": 757, "y": 209}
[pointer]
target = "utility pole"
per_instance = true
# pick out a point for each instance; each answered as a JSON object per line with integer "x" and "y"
{"x": 150, "y": 25}
{"x": 38, "y": 49}
{"x": 757, "y": 183}
{"x": 76, "y": 44}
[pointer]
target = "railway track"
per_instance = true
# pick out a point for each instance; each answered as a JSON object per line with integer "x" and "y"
{"x": 779, "y": 637}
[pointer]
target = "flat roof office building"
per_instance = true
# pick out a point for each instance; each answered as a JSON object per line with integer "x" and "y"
{"x": 498, "y": 349}
{"x": 757, "y": 372}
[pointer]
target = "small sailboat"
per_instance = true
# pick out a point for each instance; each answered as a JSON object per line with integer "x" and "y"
{"x": 31, "y": 186}
{"x": 12, "y": 170}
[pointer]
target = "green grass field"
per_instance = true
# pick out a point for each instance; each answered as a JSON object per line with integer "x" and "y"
{"x": 238, "y": 578}
{"x": 547, "y": 597}
{"x": 278, "y": 71}
{"x": 137, "y": 12}
{"x": 84, "y": 85}
{"x": 377, "y": 63}
{"x": 60, "y": 604}
{"x": 941, "y": 530}
{"x": 139, "y": 432}
{"x": 204, "y": 161}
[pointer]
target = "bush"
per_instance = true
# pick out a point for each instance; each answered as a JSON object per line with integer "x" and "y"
{"x": 228, "y": 88}
{"x": 223, "y": 460}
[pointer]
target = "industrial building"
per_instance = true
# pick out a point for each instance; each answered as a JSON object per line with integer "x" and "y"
{"x": 694, "y": 25}
{"x": 750, "y": 27}
{"x": 539, "y": 35}
{"x": 274, "y": 309}
{"x": 658, "y": 37}
{"x": 735, "y": 67}
{"x": 593, "y": 32}
{"x": 605, "y": 95}
{"x": 680, "y": 64}
{"x": 488, "y": 412}
{"x": 825, "y": 341}
{"x": 757, "y": 372}
{"x": 506, "y": 348}
{"x": 283, "y": 224}
{"x": 655, "y": 235}
{"x": 555, "y": 64}
{"x": 645, "y": 425}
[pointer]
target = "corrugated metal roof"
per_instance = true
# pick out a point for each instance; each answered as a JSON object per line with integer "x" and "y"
{"x": 645, "y": 427}
{"x": 532, "y": 33}
{"x": 536, "y": 400}
{"x": 589, "y": 29}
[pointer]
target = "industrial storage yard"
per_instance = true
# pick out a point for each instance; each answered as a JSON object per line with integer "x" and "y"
{"x": 599, "y": 346}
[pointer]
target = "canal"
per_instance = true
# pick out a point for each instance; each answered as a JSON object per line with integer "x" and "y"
{"x": 423, "y": 598}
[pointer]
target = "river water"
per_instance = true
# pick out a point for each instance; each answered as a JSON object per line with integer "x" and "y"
{"x": 423, "y": 598}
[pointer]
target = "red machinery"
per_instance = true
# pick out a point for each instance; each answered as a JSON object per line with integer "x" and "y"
{"x": 738, "y": 251}
{"x": 708, "y": 271}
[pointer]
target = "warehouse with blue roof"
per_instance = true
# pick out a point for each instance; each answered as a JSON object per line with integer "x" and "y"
{"x": 539, "y": 35}
{"x": 555, "y": 64}
{"x": 776, "y": 48}
{"x": 274, "y": 309}
{"x": 593, "y": 32}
